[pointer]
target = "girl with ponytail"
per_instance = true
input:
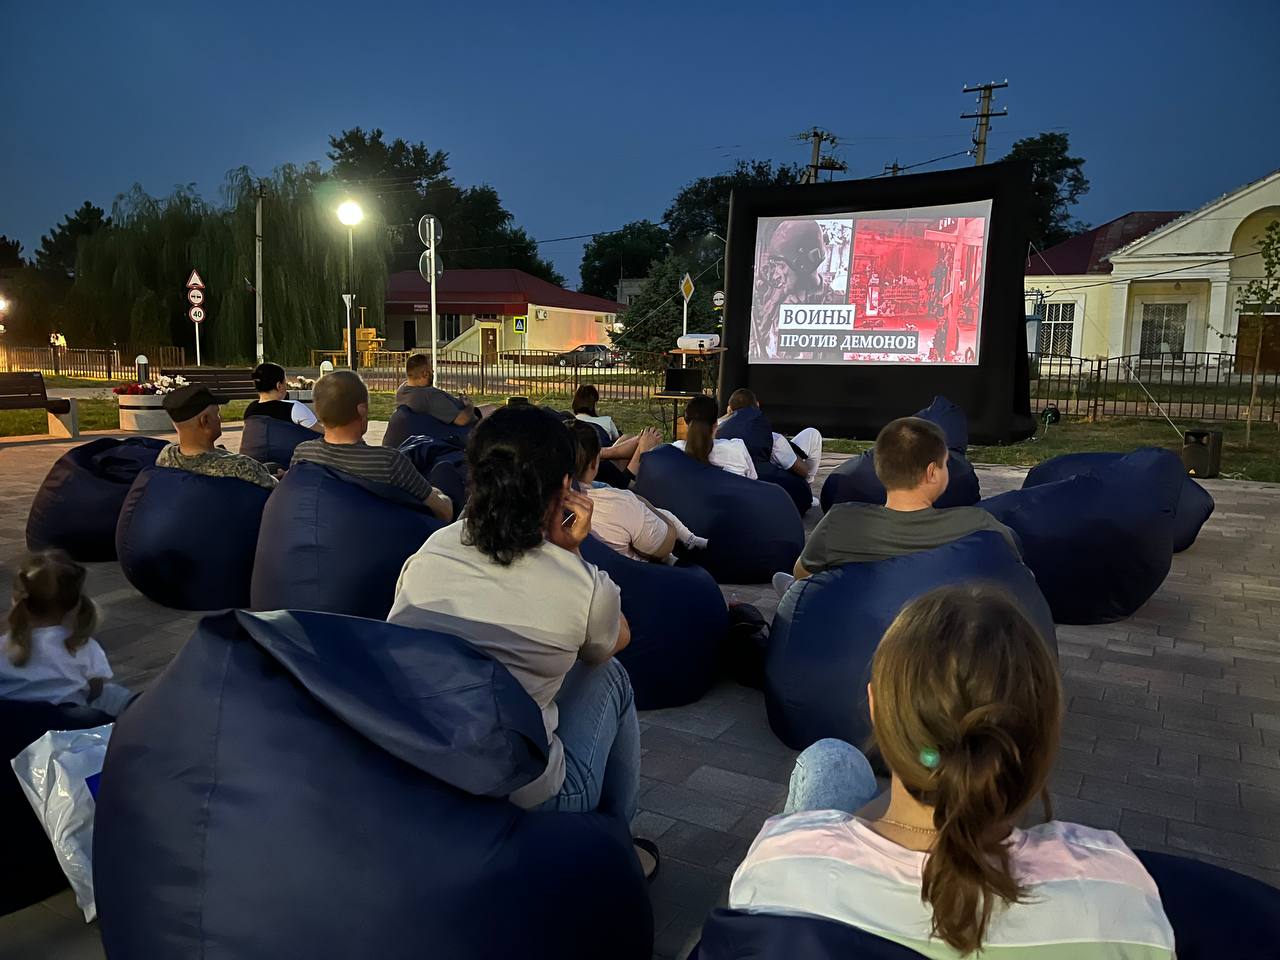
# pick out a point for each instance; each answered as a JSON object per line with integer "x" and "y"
{"x": 48, "y": 653}
{"x": 966, "y": 708}
{"x": 701, "y": 444}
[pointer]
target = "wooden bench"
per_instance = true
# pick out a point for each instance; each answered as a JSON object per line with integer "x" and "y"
{"x": 25, "y": 391}
{"x": 226, "y": 382}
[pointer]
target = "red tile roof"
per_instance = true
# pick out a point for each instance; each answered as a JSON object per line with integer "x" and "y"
{"x": 505, "y": 291}
{"x": 1084, "y": 253}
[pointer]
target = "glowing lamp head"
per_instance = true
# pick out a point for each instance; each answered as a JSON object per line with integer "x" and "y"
{"x": 4, "y": 304}
{"x": 350, "y": 213}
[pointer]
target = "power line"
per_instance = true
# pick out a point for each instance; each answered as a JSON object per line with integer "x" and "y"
{"x": 896, "y": 169}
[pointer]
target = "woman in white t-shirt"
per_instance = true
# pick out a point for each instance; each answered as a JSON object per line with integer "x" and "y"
{"x": 585, "y": 399}
{"x": 48, "y": 654}
{"x": 700, "y": 441}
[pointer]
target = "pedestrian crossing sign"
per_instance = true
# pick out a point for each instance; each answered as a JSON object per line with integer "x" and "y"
{"x": 520, "y": 322}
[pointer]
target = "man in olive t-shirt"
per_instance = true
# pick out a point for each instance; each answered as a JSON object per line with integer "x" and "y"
{"x": 419, "y": 395}
{"x": 911, "y": 462}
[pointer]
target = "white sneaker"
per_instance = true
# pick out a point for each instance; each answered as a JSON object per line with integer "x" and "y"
{"x": 781, "y": 581}
{"x": 696, "y": 543}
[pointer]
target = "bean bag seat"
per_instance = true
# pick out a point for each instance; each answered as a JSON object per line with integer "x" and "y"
{"x": 405, "y": 423}
{"x": 752, "y": 427}
{"x": 32, "y": 871}
{"x": 677, "y": 617}
{"x": 187, "y": 541}
{"x": 311, "y": 785}
{"x": 269, "y": 440}
{"x": 425, "y": 452}
{"x": 1214, "y": 913}
{"x": 77, "y": 506}
{"x": 828, "y": 626}
{"x": 1195, "y": 504}
{"x": 333, "y": 542}
{"x": 1100, "y": 543}
{"x": 753, "y": 528}
{"x": 855, "y": 480}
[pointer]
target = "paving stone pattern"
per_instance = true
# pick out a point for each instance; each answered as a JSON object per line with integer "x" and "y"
{"x": 1172, "y": 735}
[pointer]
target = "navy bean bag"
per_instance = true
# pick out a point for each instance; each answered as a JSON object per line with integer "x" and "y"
{"x": 753, "y": 528}
{"x": 77, "y": 506}
{"x": 187, "y": 540}
{"x": 855, "y": 480}
{"x": 1100, "y": 543}
{"x": 269, "y": 440}
{"x": 310, "y": 785}
{"x": 677, "y": 617}
{"x": 1195, "y": 504}
{"x": 752, "y": 427}
{"x": 333, "y": 542}
{"x": 405, "y": 423}
{"x": 828, "y": 626}
{"x": 1214, "y": 913}
{"x": 32, "y": 870}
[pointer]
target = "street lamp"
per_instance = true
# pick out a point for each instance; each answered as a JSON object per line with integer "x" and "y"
{"x": 350, "y": 214}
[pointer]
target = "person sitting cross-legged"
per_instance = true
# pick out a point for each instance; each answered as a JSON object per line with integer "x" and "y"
{"x": 268, "y": 380}
{"x": 802, "y": 454}
{"x": 420, "y": 395}
{"x": 911, "y": 462}
{"x": 195, "y": 415}
{"x": 342, "y": 404}
{"x": 966, "y": 710}
{"x": 625, "y": 521}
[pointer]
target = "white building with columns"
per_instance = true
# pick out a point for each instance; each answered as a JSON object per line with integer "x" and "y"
{"x": 1158, "y": 283}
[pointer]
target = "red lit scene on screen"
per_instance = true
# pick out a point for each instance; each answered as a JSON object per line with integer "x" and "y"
{"x": 884, "y": 287}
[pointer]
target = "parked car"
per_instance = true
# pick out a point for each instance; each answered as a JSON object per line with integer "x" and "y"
{"x": 588, "y": 355}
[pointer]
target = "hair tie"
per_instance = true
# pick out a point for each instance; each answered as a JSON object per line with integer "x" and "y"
{"x": 929, "y": 758}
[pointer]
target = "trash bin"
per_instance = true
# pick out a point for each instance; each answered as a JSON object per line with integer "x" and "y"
{"x": 1202, "y": 452}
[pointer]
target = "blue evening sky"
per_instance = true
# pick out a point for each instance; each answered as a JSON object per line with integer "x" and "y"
{"x": 585, "y": 116}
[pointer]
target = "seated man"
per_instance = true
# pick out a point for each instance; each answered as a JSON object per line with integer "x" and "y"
{"x": 911, "y": 462}
{"x": 268, "y": 380}
{"x": 342, "y": 404}
{"x": 619, "y": 518}
{"x": 802, "y": 454}
{"x": 195, "y": 415}
{"x": 418, "y": 394}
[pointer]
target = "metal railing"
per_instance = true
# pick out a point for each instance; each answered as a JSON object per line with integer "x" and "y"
{"x": 87, "y": 364}
{"x": 1191, "y": 386}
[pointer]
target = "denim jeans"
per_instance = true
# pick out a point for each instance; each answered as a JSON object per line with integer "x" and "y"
{"x": 831, "y": 775}
{"x": 601, "y": 738}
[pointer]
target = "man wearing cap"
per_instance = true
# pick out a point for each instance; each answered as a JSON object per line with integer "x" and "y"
{"x": 194, "y": 411}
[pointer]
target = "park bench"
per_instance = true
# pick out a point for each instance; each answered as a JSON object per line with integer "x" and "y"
{"x": 25, "y": 391}
{"x": 227, "y": 382}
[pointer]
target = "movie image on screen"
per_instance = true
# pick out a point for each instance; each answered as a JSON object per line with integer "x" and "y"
{"x": 872, "y": 287}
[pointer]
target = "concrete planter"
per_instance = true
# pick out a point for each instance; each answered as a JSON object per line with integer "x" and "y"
{"x": 143, "y": 413}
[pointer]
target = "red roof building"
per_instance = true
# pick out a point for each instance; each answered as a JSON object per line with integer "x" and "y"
{"x": 1087, "y": 252}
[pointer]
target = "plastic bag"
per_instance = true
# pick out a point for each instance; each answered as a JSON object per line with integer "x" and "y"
{"x": 59, "y": 774}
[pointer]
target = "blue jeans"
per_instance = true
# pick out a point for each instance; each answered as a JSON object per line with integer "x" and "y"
{"x": 601, "y": 738}
{"x": 831, "y": 775}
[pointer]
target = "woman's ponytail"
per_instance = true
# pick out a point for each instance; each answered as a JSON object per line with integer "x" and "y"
{"x": 700, "y": 419}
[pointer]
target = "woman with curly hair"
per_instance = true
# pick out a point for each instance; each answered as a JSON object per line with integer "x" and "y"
{"x": 509, "y": 579}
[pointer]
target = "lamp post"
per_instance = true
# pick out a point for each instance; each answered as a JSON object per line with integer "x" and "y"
{"x": 350, "y": 214}
{"x": 4, "y": 309}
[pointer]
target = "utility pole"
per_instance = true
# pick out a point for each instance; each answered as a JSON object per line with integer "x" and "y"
{"x": 817, "y": 161}
{"x": 257, "y": 273}
{"x": 983, "y": 116}
{"x": 893, "y": 169}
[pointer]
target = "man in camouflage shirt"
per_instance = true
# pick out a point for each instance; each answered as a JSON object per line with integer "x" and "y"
{"x": 194, "y": 411}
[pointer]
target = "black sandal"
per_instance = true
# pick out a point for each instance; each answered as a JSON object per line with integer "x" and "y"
{"x": 651, "y": 848}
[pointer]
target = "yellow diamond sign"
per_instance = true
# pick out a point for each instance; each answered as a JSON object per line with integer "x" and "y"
{"x": 686, "y": 287}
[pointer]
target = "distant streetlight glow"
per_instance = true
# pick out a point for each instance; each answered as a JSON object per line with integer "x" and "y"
{"x": 350, "y": 213}
{"x": 4, "y": 304}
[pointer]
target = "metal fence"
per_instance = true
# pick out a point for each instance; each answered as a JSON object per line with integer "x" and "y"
{"x": 1190, "y": 386}
{"x": 107, "y": 365}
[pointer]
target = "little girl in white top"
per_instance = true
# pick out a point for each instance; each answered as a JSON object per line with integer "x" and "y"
{"x": 48, "y": 654}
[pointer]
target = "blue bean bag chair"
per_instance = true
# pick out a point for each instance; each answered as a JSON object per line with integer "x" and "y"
{"x": 405, "y": 423}
{"x": 269, "y": 440}
{"x": 1195, "y": 504}
{"x": 1100, "y": 543}
{"x": 310, "y": 785}
{"x": 77, "y": 506}
{"x": 855, "y": 480}
{"x": 752, "y": 427}
{"x": 1214, "y": 913}
{"x": 753, "y": 528}
{"x": 828, "y": 626}
{"x": 34, "y": 872}
{"x": 187, "y": 541}
{"x": 333, "y": 542}
{"x": 677, "y": 617}
{"x": 425, "y": 452}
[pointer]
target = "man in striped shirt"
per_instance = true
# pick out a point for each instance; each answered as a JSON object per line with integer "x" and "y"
{"x": 342, "y": 404}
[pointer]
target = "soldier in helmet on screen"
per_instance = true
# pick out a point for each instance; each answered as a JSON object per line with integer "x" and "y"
{"x": 789, "y": 274}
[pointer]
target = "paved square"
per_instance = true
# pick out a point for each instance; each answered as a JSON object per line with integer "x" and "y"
{"x": 1172, "y": 735}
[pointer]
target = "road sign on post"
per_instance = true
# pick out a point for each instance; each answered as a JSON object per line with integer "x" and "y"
{"x": 195, "y": 297}
{"x": 686, "y": 289}
{"x": 432, "y": 269}
{"x": 717, "y": 300}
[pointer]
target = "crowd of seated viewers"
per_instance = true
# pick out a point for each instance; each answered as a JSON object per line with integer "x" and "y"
{"x": 964, "y": 695}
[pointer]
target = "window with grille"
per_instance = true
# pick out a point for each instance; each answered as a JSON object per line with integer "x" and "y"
{"x": 1055, "y": 329}
{"x": 1164, "y": 329}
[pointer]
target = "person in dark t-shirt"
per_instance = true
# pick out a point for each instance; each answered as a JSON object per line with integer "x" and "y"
{"x": 419, "y": 395}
